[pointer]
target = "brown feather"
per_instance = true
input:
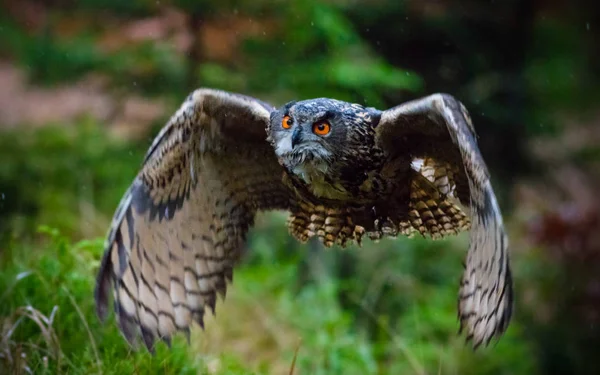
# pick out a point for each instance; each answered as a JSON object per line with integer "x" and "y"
{"x": 180, "y": 227}
{"x": 438, "y": 130}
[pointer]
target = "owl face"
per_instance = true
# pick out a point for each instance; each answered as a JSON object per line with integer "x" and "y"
{"x": 309, "y": 136}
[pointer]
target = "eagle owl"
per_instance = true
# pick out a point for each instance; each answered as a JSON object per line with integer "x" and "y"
{"x": 343, "y": 171}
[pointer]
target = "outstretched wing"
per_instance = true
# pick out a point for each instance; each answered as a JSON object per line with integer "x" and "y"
{"x": 437, "y": 130}
{"x": 180, "y": 226}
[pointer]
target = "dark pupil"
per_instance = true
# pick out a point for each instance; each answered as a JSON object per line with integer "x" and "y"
{"x": 321, "y": 127}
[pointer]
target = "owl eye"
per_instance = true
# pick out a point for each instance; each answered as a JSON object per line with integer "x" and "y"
{"x": 287, "y": 122}
{"x": 321, "y": 128}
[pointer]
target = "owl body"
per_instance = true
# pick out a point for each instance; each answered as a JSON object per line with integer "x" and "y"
{"x": 341, "y": 170}
{"x": 345, "y": 184}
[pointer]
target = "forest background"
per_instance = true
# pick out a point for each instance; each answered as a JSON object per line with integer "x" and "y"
{"x": 85, "y": 85}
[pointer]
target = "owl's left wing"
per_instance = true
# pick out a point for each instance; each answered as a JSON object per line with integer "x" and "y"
{"x": 437, "y": 130}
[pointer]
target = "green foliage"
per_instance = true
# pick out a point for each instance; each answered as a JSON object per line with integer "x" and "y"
{"x": 47, "y": 60}
{"x": 55, "y": 284}
{"x": 328, "y": 58}
{"x": 48, "y": 309}
{"x": 558, "y": 73}
{"x": 57, "y": 176}
{"x": 50, "y": 59}
{"x": 399, "y": 295}
{"x": 121, "y": 8}
{"x": 151, "y": 68}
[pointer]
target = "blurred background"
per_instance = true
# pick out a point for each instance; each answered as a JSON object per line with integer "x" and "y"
{"x": 85, "y": 85}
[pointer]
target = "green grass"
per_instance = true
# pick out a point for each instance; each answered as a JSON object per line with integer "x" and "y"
{"x": 48, "y": 318}
{"x": 49, "y": 324}
{"x": 48, "y": 321}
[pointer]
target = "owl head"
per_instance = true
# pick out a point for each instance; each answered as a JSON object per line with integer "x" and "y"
{"x": 315, "y": 135}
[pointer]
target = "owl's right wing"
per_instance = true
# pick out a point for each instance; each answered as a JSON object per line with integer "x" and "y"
{"x": 180, "y": 226}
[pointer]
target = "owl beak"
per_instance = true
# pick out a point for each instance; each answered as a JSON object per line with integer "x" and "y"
{"x": 296, "y": 136}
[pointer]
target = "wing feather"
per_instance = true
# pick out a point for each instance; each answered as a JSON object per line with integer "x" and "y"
{"x": 180, "y": 227}
{"x": 437, "y": 129}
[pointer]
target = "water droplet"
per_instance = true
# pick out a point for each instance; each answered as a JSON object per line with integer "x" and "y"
{"x": 2, "y": 196}
{"x": 587, "y": 26}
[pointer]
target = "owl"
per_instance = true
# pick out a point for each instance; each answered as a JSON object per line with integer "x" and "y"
{"x": 344, "y": 172}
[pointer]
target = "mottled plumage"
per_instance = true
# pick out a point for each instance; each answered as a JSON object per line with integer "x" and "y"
{"x": 343, "y": 171}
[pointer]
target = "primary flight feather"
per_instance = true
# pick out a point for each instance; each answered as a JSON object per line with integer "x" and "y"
{"x": 342, "y": 170}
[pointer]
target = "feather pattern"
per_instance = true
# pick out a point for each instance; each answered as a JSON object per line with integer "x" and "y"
{"x": 438, "y": 130}
{"x": 180, "y": 227}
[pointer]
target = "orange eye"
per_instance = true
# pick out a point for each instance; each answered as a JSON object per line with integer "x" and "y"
{"x": 287, "y": 122}
{"x": 321, "y": 128}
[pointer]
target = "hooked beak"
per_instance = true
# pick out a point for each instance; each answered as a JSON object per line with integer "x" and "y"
{"x": 296, "y": 136}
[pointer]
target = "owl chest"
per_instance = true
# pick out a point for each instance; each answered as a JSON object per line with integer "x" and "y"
{"x": 358, "y": 186}
{"x": 319, "y": 184}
